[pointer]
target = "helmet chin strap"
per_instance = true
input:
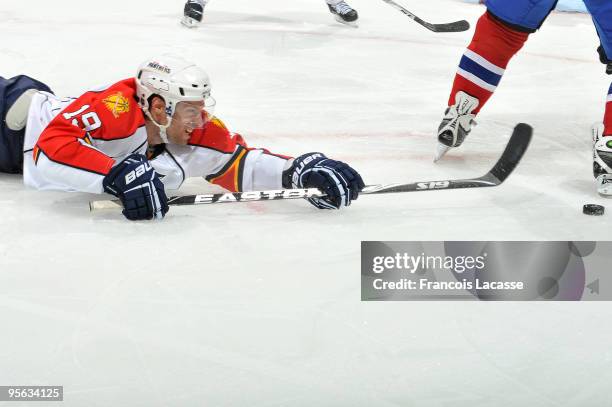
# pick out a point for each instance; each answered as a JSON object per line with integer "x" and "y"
{"x": 162, "y": 127}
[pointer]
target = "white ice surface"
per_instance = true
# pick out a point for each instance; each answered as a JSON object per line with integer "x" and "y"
{"x": 258, "y": 304}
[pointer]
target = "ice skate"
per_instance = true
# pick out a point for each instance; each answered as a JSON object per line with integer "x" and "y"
{"x": 193, "y": 12}
{"x": 602, "y": 160}
{"x": 456, "y": 124}
{"x": 344, "y": 13}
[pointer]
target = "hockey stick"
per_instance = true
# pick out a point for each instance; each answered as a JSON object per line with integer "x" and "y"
{"x": 457, "y": 26}
{"x": 514, "y": 151}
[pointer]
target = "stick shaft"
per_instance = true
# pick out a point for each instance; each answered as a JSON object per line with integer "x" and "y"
{"x": 507, "y": 162}
{"x": 456, "y": 26}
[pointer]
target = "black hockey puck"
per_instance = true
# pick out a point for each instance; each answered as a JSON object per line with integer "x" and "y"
{"x": 592, "y": 209}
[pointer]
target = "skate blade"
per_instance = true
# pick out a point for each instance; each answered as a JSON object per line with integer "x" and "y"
{"x": 190, "y": 22}
{"x": 605, "y": 191}
{"x": 349, "y": 23}
{"x": 441, "y": 151}
{"x": 604, "y": 186}
{"x": 597, "y": 130}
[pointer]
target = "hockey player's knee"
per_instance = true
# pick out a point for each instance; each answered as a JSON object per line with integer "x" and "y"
{"x": 16, "y": 96}
{"x": 17, "y": 114}
{"x": 601, "y": 11}
{"x": 521, "y": 15}
{"x": 511, "y": 26}
{"x": 496, "y": 41}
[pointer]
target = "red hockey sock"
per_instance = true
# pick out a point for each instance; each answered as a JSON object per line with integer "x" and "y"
{"x": 486, "y": 58}
{"x": 608, "y": 115}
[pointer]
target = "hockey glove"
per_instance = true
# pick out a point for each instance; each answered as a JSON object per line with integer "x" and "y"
{"x": 340, "y": 183}
{"x": 136, "y": 184}
{"x": 605, "y": 60}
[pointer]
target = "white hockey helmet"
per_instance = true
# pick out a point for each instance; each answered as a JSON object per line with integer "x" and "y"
{"x": 175, "y": 80}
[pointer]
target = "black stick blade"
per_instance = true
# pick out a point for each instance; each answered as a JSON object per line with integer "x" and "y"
{"x": 457, "y": 26}
{"x": 515, "y": 149}
{"x": 507, "y": 162}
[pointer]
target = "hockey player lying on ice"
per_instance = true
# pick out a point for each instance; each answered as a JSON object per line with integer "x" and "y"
{"x": 142, "y": 135}
{"x": 500, "y": 33}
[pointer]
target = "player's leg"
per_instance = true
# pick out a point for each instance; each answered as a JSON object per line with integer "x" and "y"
{"x": 608, "y": 114}
{"x": 602, "y": 158}
{"x": 193, "y": 12}
{"x": 15, "y": 97}
{"x": 342, "y": 11}
{"x": 601, "y": 11}
{"x": 500, "y": 33}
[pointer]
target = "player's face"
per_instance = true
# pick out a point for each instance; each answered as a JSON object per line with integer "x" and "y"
{"x": 188, "y": 116}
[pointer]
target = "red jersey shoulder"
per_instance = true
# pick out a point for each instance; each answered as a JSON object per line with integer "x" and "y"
{"x": 106, "y": 114}
{"x": 118, "y": 110}
{"x": 216, "y": 136}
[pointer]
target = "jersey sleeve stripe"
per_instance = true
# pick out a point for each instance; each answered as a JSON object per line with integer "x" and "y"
{"x": 230, "y": 176}
{"x": 38, "y": 151}
{"x": 210, "y": 148}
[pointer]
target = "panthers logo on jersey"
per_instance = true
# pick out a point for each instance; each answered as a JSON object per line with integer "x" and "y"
{"x": 117, "y": 104}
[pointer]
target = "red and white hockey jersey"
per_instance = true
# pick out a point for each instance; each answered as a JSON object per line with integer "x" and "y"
{"x": 71, "y": 144}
